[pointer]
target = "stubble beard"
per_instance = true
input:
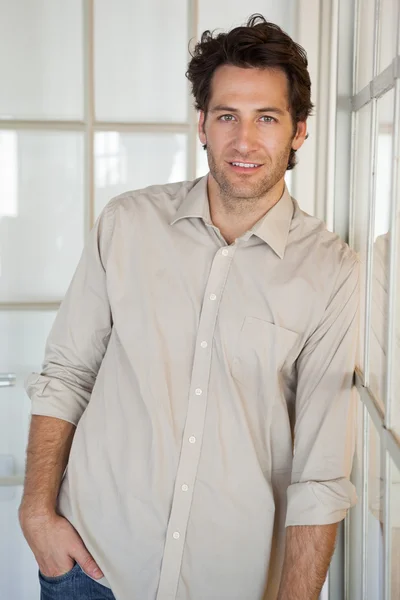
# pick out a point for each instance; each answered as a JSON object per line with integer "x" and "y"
{"x": 240, "y": 198}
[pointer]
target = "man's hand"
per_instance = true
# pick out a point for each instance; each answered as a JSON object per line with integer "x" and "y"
{"x": 52, "y": 539}
{"x": 56, "y": 545}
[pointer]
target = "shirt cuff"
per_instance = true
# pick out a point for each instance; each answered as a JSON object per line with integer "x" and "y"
{"x": 51, "y": 397}
{"x": 319, "y": 502}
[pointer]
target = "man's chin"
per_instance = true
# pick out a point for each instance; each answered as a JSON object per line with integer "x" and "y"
{"x": 238, "y": 190}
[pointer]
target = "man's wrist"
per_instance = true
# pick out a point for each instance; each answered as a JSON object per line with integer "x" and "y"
{"x": 35, "y": 511}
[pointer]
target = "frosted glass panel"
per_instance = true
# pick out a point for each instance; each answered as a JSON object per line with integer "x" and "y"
{"x": 355, "y": 516}
{"x": 125, "y": 161}
{"x": 201, "y": 159}
{"x": 381, "y": 249}
{"x": 395, "y": 387}
{"x": 361, "y": 206}
{"x": 141, "y": 52}
{"x": 375, "y": 516}
{"x": 395, "y": 528}
{"x": 224, "y": 14}
{"x": 389, "y": 10}
{"x": 41, "y": 213}
{"x": 365, "y": 46}
{"x": 22, "y": 342}
{"x": 41, "y": 59}
{"x": 18, "y": 568}
{"x": 23, "y": 336}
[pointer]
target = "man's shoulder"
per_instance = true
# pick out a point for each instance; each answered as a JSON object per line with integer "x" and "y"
{"x": 321, "y": 244}
{"x": 164, "y": 198}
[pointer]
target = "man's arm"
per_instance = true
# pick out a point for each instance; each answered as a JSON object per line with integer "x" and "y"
{"x": 308, "y": 553}
{"x": 54, "y": 542}
{"x": 47, "y": 454}
{"x": 324, "y": 435}
{"x": 60, "y": 394}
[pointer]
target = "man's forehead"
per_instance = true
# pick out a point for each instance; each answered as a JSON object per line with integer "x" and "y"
{"x": 234, "y": 73}
{"x": 237, "y": 87}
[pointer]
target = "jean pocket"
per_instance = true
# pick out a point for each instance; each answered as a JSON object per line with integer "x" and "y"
{"x": 59, "y": 578}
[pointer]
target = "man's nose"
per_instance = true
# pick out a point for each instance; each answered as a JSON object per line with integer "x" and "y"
{"x": 246, "y": 138}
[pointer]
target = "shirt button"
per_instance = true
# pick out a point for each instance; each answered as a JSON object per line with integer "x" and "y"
{"x": 176, "y": 535}
{"x": 185, "y": 487}
{"x": 198, "y": 392}
{"x": 204, "y": 344}
{"x": 192, "y": 439}
{"x": 225, "y": 252}
{"x": 213, "y": 297}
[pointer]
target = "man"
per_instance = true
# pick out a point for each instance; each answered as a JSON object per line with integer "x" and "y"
{"x": 201, "y": 365}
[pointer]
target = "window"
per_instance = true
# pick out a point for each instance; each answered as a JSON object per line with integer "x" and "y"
{"x": 372, "y": 527}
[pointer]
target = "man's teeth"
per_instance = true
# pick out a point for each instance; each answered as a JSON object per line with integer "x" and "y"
{"x": 247, "y": 165}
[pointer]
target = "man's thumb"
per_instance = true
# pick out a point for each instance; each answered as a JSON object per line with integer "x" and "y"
{"x": 88, "y": 564}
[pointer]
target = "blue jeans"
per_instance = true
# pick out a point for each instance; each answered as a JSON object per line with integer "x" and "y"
{"x": 74, "y": 585}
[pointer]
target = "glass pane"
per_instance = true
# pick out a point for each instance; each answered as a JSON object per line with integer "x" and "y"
{"x": 226, "y": 14}
{"x": 22, "y": 341}
{"x": 131, "y": 161}
{"x": 388, "y": 32}
{"x": 289, "y": 181}
{"x": 355, "y": 517}
{"x": 202, "y": 162}
{"x": 18, "y": 568}
{"x": 365, "y": 49}
{"x": 23, "y": 336}
{"x": 375, "y": 547}
{"x": 41, "y": 213}
{"x": 381, "y": 249}
{"x": 361, "y": 206}
{"x": 395, "y": 387}
{"x": 41, "y": 59}
{"x": 395, "y": 527}
{"x": 141, "y": 52}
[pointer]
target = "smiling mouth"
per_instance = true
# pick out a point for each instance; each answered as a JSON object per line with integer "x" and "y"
{"x": 245, "y": 166}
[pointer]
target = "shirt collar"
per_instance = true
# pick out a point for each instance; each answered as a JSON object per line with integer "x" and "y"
{"x": 195, "y": 204}
{"x": 273, "y": 228}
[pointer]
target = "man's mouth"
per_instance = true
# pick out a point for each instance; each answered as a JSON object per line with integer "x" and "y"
{"x": 244, "y": 166}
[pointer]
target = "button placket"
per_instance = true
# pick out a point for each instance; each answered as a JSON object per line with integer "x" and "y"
{"x": 193, "y": 433}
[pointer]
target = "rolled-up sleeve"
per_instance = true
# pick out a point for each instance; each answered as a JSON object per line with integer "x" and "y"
{"x": 325, "y": 426}
{"x": 78, "y": 339}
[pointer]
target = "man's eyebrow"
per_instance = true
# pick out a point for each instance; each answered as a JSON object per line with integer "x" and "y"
{"x": 221, "y": 107}
{"x": 265, "y": 109}
{"x": 272, "y": 109}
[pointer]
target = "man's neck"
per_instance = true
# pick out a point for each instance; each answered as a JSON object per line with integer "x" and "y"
{"x": 235, "y": 216}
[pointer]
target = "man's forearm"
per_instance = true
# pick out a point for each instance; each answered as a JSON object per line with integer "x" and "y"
{"x": 308, "y": 553}
{"x": 48, "y": 449}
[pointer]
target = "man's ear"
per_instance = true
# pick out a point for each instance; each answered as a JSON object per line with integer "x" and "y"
{"x": 202, "y": 135}
{"x": 300, "y": 136}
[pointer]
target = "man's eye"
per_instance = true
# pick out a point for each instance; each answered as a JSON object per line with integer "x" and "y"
{"x": 226, "y": 118}
{"x": 267, "y": 119}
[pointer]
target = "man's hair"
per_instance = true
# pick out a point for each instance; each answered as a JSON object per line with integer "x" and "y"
{"x": 260, "y": 45}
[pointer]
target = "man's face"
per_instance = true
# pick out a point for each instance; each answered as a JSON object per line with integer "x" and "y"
{"x": 248, "y": 122}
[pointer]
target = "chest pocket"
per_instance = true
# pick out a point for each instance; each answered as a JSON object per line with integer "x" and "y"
{"x": 261, "y": 352}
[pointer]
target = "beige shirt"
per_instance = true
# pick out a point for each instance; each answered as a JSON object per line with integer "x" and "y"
{"x": 211, "y": 386}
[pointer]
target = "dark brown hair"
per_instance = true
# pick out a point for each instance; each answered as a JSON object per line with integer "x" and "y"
{"x": 261, "y": 45}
